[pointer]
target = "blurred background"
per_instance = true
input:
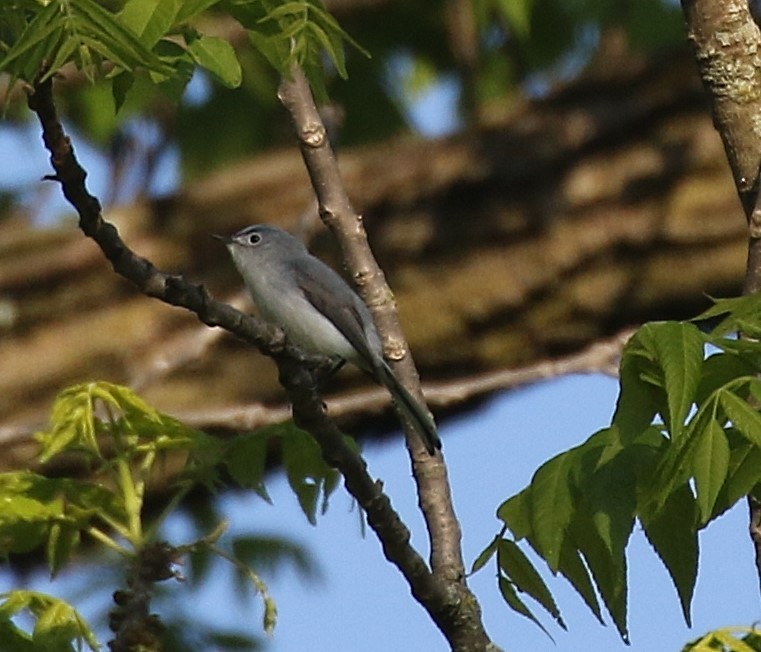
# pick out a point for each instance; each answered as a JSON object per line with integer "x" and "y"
{"x": 535, "y": 176}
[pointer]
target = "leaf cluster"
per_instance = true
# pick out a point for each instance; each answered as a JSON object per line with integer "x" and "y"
{"x": 159, "y": 37}
{"x": 683, "y": 447}
{"x": 58, "y": 626}
{"x": 127, "y": 444}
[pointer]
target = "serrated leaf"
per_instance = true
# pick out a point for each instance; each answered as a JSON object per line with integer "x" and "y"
{"x": 745, "y": 419}
{"x": 720, "y": 369}
{"x": 519, "y": 569}
{"x": 218, "y": 57}
{"x": 114, "y": 40}
{"x": 744, "y": 472}
{"x": 573, "y": 569}
{"x": 510, "y": 596}
{"x": 672, "y": 532}
{"x": 551, "y": 507}
{"x": 710, "y": 463}
{"x": 742, "y": 314}
{"x": 678, "y": 349}
{"x": 638, "y": 401}
{"x": 608, "y": 570}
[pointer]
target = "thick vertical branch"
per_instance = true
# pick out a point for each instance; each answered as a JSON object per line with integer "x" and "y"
{"x": 726, "y": 41}
{"x": 430, "y": 472}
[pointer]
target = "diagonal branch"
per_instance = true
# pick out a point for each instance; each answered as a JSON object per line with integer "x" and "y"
{"x": 429, "y": 472}
{"x": 445, "y": 606}
{"x": 337, "y": 212}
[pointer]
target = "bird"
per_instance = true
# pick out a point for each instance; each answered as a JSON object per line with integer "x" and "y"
{"x": 318, "y": 311}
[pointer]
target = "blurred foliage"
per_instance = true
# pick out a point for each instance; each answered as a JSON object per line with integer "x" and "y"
{"x": 126, "y": 445}
{"x": 232, "y": 111}
{"x": 728, "y": 639}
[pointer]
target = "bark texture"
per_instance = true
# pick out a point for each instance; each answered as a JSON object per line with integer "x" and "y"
{"x": 555, "y": 224}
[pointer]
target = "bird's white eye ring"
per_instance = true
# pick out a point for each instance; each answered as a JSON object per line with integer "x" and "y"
{"x": 254, "y": 238}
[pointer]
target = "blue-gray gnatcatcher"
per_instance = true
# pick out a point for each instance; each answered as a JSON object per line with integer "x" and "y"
{"x": 318, "y": 311}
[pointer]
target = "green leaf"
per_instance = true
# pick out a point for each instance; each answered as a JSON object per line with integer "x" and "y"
{"x": 744, "y": 472}
{"x": 678, "y": 348}
{"x": 246, "y": 459}
{"x": 525, "y": 577}
{"x": 573, "y": 569}
{"x": 307, "y": 472}
{"x": 13, "y": 638}
{"x": 638, "y": 400}
{"x": 191, "y": 8}
{"x": 58, "y": 625}
{"x": 721, "y": 369}
{"x": 151, "y": 20}
{"x": 47, "y": 25}
{"x": 515, "y": 512}
{"x": 218, "y": 57}
{"x": 63, "y": 540}
{"x": 672, "y": 532}
{"x": 710, "y": 463}
{"x": 608, "y": 570}
{"x": 485, "y": 555}
{"x": 510, "y": 596}
{"x": 517, "y": 13}
{"x": 551, "y": 506}
{"x": 742, "y": 314}
{"x": 746, "y": 420}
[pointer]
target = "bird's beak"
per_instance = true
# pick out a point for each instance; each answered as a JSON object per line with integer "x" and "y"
{"x": 226, "y": 239}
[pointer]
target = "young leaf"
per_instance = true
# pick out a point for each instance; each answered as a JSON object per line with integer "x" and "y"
{"x": 58, "y": 625}
{"x": 218, "y": 57}
{"x": 525, "y": 577}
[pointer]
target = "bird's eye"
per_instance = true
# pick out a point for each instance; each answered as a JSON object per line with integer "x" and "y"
{"x": 254, "y": 238}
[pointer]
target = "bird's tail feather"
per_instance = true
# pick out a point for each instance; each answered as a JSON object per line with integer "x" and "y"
{"x": 417, "y": 414}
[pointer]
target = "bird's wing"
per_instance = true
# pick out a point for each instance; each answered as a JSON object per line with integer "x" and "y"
{"x": 323, "y": 288}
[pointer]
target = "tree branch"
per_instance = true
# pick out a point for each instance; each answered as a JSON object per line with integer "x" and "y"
{"x": 430, "y": 472}
{"x": 450, "y": 610}
{"x": 725, "y": 41}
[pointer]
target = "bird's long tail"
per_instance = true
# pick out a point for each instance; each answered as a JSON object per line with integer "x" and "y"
{"x": 417, "y": 414}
